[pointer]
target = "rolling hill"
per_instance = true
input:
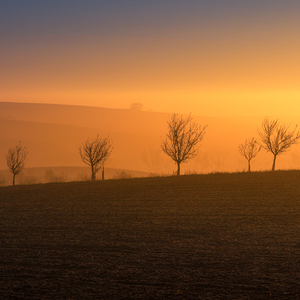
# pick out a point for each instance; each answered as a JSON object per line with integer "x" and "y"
{"x": 52, "y": 134}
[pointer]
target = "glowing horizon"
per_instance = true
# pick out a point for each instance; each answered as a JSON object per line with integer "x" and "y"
{"x": 222, "y": 59}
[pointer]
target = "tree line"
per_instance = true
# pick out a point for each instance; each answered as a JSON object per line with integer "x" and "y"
{"x": 181, "y": 144}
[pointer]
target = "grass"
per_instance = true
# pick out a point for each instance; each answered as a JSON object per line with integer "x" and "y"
{"x": 217, "y": 236}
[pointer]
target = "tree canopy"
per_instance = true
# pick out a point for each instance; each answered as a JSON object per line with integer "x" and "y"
{"x": 182, "y": 139}
{"x": 94, "y": 152}
{"x": 277, "y": 138}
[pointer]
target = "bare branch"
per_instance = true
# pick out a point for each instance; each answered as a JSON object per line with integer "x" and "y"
{"x": 182, "y": 139}
{"x": 277, "y": 138}
{"x": 16, "y": 159}
{"x": 94, "y": 152}
{"x": 249, "y": 150}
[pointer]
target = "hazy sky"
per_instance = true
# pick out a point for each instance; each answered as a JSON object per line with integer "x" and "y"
{"x": 210, "y": 57}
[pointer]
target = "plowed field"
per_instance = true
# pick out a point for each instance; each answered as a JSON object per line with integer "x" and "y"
{"x": 218, "y": 236}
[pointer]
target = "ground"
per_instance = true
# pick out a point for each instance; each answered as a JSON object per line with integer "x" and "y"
{"x": 218, "y": 236}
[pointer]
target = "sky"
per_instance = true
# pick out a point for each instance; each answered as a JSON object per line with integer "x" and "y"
{"x": 205, "y": 57}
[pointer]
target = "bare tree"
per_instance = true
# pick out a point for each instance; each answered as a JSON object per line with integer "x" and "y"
{"x": 276, "y": 138}
{"x": 16, "y": 159}
{"x": 249, "y": 150}
{"x": 94, "y": 152}
{"x": 182, "y": 139}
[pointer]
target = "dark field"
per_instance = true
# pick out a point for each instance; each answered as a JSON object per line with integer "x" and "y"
{"x": 219, "y": 236}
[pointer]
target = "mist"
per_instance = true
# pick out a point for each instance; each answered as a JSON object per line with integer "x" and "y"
{"x": 53, "y": 133}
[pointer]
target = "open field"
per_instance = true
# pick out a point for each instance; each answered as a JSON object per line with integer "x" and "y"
{"x": 218, "y": 236}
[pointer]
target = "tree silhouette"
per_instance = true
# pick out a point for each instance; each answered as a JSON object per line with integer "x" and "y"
{"x": 249, "y": 150}
{"x": 16, "y": 159}
{"x": 94, "y": 152}
{"x": 182, "y": 139}
{"x": 276, "y": 138}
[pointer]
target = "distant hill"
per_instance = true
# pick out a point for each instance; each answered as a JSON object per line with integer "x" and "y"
{"x": 52, "y": 134}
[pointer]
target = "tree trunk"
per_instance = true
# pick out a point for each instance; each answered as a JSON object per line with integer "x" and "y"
{"x": 178, "y": 169}
{"x": 103, "y": 173}
{"x": 249, "y": 170}
{"x": 274, "y": 160}
{"x": 14, "y": 177}
{"x": 93, "y": 173}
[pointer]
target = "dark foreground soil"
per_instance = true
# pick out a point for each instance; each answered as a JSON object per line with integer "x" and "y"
{"x": 220, "y": 236}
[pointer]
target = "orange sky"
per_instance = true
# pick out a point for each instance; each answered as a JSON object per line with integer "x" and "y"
{"x": 230, "y": 59}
